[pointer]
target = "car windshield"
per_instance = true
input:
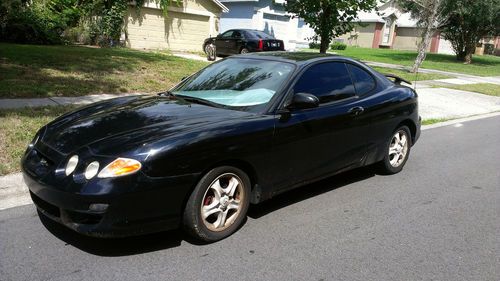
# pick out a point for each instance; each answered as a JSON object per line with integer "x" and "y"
{"x": 239, "y": 83}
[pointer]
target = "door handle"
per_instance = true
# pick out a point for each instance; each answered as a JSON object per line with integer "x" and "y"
{"x": 356, "y": 110}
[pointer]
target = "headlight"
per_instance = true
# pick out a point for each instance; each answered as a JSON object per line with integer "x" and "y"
{"x": 92, "y": 170}
{"x": 120, "y": 167}
{"x": 71, "y": 166}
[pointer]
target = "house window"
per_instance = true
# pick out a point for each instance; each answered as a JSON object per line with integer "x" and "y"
{"x": 387, "y": 31}
{"x": 276, "y": 17}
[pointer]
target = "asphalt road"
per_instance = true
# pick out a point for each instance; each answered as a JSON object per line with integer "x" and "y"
{"x": 439, "y": 219}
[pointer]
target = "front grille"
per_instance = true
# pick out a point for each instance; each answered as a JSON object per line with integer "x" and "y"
{"x": 83, "y": 218}
{"x": 46, "y": 206}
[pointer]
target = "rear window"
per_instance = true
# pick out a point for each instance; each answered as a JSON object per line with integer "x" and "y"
{"x": 260, "y": 34}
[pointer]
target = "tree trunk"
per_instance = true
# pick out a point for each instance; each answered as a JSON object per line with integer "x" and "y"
{"x": 429, "y": 24}
{"x": 466, "y": 54}
{"x": 325, "y": 42}
{"x": 422, "y": 49}
{"x": 468, "y": 58}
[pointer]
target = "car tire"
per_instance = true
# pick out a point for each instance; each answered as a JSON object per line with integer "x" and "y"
{"x": 397, "y": 151}
{"x": 244, "y": 51}
{"x": 218, "y": 205}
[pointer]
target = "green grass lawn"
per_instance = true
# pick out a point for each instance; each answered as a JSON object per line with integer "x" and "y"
{"x": 481, "y": 65}
{"x": 482, "y": 88}
{"x": 18, "y": 127}
{"x": 46, "y": 71}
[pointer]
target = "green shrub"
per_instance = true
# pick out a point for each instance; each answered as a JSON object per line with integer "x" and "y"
{"x": 37, "y": 21}
{"x": 338, "y": 46}
{"x": 489, "y": 49}
{"x": 314, "y": 45}
{"x": 30, "y": 25}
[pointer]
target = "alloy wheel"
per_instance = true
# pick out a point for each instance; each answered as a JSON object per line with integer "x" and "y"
{"x": 398, "y": 149}
{"x": 221, "y": 203}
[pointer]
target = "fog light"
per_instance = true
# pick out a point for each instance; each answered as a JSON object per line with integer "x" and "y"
{"x": 92, "y": 170}
{"x": 98, "y": 207}
{"x": 71, "y": 166}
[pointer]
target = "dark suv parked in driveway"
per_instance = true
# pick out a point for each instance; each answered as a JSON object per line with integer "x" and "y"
{"x": 240, "y": 41}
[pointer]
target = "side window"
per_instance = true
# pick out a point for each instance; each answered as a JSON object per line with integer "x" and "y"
{"x": 227, "y": 34}
{"x": 363, "y": 81}
{"x": 237, "y": 34}
{"x": 328, "y": 81}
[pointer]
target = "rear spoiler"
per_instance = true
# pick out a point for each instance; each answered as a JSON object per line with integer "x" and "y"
{"x": 397, "y": 79}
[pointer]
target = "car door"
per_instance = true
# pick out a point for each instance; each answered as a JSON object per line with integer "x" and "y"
{"x": 234, "y": 42}
{"x": 221, "y": 42}
{"x": 317, "y": 142}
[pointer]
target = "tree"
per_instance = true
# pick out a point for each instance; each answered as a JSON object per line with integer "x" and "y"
{"x": 468, "y": 22}
{"x": 106, "y": 18}
{"x": 429, "y": 17}
{"x": 329, "y": 18}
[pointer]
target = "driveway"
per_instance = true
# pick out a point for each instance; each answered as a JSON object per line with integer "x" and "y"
{"x": 436, "y": 220}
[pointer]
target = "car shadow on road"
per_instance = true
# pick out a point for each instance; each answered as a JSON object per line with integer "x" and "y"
{"x": 302, "y": 193}
{"x": 112, "y": 247}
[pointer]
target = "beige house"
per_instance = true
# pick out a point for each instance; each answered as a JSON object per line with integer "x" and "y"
{"x": 184, "y": 27}
{"x": 391, "y": 28}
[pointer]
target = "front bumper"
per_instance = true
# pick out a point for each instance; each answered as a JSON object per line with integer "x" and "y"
{"x": 148, "y": 205}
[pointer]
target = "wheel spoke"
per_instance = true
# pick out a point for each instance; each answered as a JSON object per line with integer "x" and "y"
{"x": 393, "y": 150}
{"x": 231, "y": 187}
{"x": 394, "y": 159}
{"x": 396, "y": 137}
{"x": 217, "y": 189}
{"x": 221, "y": 219}
{"x": 235, "y": 204}
{"x": 210, "y": 210}
{"x": 403, "y": 140}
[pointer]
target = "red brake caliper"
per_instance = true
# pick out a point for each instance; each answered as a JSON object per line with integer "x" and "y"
{"x": 208, "y": 200}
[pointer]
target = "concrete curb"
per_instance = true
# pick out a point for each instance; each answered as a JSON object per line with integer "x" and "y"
{"x": 14, "y": 192}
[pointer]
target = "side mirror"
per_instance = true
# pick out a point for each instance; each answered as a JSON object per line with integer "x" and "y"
{"x": 218, "y": 36}
{"x": 303, "y": 101}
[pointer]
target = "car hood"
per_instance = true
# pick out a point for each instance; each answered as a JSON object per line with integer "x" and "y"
{"x": 127, "y": 120}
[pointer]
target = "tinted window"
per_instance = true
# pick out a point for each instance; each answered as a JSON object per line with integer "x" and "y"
{"x": 328, "y": 81}
{"x": 236, "y": 34}
{"x": 227, "y": 34}
{"x": 261, "y": 35}
{"x": 363, "y": 81}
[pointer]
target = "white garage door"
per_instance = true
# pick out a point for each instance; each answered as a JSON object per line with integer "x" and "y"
{"x": 177, "y": 31}
{"x": 279, "y": 27}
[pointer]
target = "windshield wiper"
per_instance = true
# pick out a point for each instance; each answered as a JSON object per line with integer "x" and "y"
{"x": 199, "y": 101}
{"x": 166, "y": 94}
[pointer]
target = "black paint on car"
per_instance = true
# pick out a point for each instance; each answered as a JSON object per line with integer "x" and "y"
{"x": 241, "y": 41}
{"x": 239, "y": 131}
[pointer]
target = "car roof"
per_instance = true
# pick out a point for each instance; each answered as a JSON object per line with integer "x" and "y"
{"x": 303, "y": 59}
{"x": 299, "y": 58}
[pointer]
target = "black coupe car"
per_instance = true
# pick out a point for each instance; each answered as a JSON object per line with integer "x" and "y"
{"x": 237, "y": 132}
{"x": 241, "y": 41}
